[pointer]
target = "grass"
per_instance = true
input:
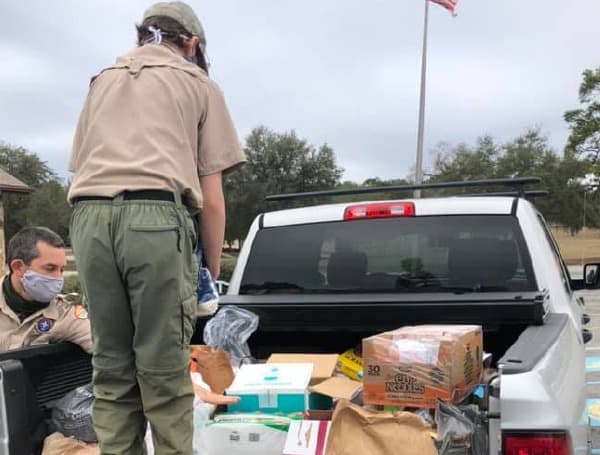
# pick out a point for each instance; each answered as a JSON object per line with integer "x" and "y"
{"x": 580, "y": 248}
{"x": 228, "y": 261}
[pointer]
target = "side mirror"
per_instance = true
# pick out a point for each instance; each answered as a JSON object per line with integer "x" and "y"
{"x": 591, "y": 275}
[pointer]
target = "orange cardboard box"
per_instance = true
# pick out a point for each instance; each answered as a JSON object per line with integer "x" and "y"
{"x": 414, "y": 366}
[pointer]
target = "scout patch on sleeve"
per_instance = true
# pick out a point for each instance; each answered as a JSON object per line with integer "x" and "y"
{"x": 44, "y": 325}
{"x": 80, "y": 312}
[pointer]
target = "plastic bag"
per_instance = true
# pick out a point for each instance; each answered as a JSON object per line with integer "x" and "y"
{"x": 229, "y": 331}
{"x": 425, "y": 415}
{"x": 479, "y": 439}
{"x": 72, "y": 414}
{"x": 460, "y": 428}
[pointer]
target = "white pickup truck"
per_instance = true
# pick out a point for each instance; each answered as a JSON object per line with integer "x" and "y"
{"x": 323, "y": 277}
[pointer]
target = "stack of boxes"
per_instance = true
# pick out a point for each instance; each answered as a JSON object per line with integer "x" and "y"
{"x": 286, "y": 404}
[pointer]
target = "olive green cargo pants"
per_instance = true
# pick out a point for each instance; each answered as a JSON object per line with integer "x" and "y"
{"x": 139, "y": 275}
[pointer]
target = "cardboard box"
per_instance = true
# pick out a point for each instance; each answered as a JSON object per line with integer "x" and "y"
{"x": 323, "y": 364}
{"x": 271, "y": 387}
{"x": 414, "y": 366}
{"x": 338, "y": 388}
{"x": 307, "y": 437}
{"x": 243, "y": 434}
{"x": 350, "y": 364}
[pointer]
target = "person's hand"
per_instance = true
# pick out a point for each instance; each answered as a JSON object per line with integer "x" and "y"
{"x": 213, "y": 398}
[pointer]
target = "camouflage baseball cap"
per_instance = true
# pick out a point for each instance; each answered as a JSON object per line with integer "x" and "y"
{"x": 182, "y": 13}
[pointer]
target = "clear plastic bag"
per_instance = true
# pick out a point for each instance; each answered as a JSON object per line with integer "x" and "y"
{"x": 229, "y": 331}
{"x": 460, "y": 429}
{"x": 479, "y": 438}
{"x": 72, "y": 414}
{"x": 450, "y": 420}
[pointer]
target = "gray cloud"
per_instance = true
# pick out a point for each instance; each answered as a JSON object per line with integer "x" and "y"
{"x": 341, "y": 72}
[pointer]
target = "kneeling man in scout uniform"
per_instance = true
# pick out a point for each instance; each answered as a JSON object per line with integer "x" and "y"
{"x": 31, "y": 311}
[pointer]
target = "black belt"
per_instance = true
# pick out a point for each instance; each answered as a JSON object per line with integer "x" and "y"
{"x": 143, "y": 195}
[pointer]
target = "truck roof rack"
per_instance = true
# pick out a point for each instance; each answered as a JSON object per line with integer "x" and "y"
{"x": 527, "y": 194}
{"x": 517, "y": 184}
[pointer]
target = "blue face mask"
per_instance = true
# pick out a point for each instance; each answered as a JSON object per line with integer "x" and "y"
{"x": 41, "y": 288}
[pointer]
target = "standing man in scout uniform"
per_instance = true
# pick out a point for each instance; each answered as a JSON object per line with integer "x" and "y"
{"x": 153, "y": 140}
{"x": 31, "y": 312}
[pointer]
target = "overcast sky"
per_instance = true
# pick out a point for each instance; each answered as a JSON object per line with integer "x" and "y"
{"x": 345, "y": 72}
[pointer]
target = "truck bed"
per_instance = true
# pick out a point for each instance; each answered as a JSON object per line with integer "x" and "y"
{"x": 336, "y": 322}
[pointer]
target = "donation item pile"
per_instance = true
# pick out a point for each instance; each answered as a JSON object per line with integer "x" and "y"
{"x": 410, "y": 391}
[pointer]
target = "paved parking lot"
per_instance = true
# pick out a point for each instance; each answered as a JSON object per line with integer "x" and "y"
{"x": 592, "y": 303}
{"x": 592, "y": 308}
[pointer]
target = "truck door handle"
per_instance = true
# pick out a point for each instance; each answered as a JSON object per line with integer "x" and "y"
{"x": 587, "y": 336}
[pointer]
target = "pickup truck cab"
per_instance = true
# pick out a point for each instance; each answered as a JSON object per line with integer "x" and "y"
{"x": 322, "y": 278}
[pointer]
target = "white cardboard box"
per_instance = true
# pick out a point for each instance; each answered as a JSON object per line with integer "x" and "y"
{"x": 271, "y": 387}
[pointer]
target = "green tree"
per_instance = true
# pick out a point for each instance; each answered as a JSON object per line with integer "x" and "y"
{"x": 27, "y": 167}
{"x": 530, "y": 154}
{"x": 48, "y": 207}
{"x": 584, "y": 123}
{"x": 465, "y": 162}
{"x": 373, "y": 182}
{"x": 277, "y": 163}
{"x": 527, "y": 155}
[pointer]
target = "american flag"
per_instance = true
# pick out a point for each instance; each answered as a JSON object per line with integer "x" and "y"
{"x": 450, "y": 5}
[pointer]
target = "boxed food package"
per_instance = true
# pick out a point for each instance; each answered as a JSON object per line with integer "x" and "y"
{"x": 271, "y": 387}
{"x": 349, "y": 364}
{"x": 414, "y": 366}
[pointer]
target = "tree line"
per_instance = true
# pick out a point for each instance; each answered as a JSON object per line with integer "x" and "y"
{"x": 283, "y": 162}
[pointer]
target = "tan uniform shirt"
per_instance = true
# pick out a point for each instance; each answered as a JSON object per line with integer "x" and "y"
{"x": 152, "y": 121}
{"x": 60, "y": 321}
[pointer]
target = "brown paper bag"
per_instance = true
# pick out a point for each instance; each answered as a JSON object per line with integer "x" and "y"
{"x": 214, "y": 366}
{"x": 355, "y": 430}
{"x": 57, "y": 444}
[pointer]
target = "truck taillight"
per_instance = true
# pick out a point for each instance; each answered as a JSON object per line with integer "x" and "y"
{"x": 379, "y": 210}
{"x": 540, "y": 443}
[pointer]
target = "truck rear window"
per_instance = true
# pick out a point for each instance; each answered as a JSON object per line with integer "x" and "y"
{"x": 474, "y": 253}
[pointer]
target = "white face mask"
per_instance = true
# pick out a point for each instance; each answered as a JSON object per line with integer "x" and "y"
{"x": 41, "y": 288}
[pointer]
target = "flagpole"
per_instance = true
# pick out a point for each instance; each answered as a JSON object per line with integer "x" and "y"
{"x": 419, "y": 171}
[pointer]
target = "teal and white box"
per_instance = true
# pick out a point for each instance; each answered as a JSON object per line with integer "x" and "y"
{"x": 271, "y": 387}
